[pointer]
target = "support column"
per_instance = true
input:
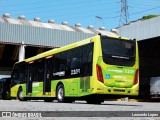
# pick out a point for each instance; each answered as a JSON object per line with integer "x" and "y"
{"x": 21, "y": 52}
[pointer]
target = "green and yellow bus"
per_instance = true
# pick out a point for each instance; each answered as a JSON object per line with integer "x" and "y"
{"x": 89, "y": 69}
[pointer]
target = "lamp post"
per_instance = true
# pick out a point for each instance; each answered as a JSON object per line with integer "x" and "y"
{"x": 97, "y": 17}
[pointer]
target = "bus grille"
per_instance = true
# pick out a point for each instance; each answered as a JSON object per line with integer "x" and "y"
{"x": 119, "y": 90}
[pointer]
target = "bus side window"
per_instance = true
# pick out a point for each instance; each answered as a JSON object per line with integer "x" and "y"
{"x": 60, "y": 62}
{"x": 56, "y": 63}
{"x": 60, "y": 65}
{"x": 14, "y": 74}
{"x": 75, "y": 63}
{"x": 63, "y": 61}
{"x": 31, "y": 72}
{"x": 14, "y": 77}
{"x": 39, "y": 70}
{"x": 22, "y": 69}
{"x": 74, "y": 60}
{"x": 87, "y": 59}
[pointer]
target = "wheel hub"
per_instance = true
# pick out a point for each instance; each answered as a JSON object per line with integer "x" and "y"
{"x": 60, "y": 93}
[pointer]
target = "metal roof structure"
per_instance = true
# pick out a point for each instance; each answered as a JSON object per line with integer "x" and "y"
{"x": 37, "y": 33}
{"x": 141, "y": 29}
{"x": 37, "y": 37}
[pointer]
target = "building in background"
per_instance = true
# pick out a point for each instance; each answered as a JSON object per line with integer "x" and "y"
{"x": 147, "y": 33}
{"x": 21, "y": 38}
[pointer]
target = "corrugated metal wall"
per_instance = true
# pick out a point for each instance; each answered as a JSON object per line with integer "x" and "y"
{"x": 39, "y": 36}
{"x": 141, "y": 29}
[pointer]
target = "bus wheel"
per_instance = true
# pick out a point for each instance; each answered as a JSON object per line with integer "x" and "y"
{"x": 60, "y": 93}
{"x": 20, "y": 94}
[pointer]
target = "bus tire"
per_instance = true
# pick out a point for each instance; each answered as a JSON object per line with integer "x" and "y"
{"x": 20, "y": 95}
{"x": 60, "y": 93}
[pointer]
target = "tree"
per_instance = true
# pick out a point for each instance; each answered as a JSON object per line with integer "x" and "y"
{"x": 149, "y": 17}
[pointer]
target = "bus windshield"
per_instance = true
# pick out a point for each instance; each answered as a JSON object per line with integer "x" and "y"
{"x": 118, "y": 52}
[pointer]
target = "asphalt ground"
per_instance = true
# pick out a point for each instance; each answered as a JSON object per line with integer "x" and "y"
{"x": 114, "y": 110}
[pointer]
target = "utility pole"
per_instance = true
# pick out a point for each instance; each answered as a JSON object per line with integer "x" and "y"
{"x": 124, "y": 13}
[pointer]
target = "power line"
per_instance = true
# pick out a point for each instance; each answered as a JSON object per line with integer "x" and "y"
{"x": 68, "y": 9}
{"x": 143, "y": 4}
{"x": 112, "y": 17}
{"x": 78, "y": 13}
{"x": 91, "y": 5}
{"x": 28, "y": 4}
{"x": 50, "y": 1}
{"x": 89, "y": 16}
{"x": 145, "y": 10}
{"x": 135, "y": 12}
{"x": 59, "y": 5}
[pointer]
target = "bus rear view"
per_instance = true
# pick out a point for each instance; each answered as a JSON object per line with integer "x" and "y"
{"x": 88, "y": 70}
{"x": 117, "y": 67}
